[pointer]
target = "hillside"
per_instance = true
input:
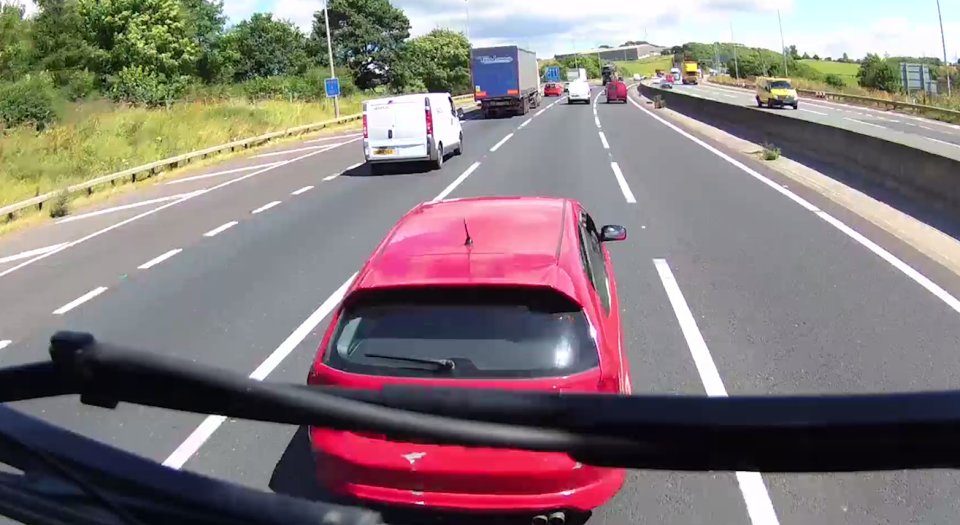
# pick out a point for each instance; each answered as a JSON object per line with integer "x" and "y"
{"x": 845, "y": 70}
{"x": 643, "y": 67}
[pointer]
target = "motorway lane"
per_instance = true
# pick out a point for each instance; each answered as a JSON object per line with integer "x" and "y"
{"x": 788, "y": 304}
{"x": 563, "y": 156}
{"x": 227, "y": 300}
{"x": 930, "y": 135}
{"x": 785, "y": 304}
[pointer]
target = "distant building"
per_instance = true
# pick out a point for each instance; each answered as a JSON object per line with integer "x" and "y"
{"x": 625, "y": 53}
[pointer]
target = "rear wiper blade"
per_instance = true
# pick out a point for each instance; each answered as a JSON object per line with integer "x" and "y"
{"x": 444, "y": 365}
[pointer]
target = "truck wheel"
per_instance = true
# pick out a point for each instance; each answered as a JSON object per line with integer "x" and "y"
{"x": 459, "y": 150}
{"x": 437, "y": 164}
{"x": 525, "y": 106}
{"x": 759, "y": 104}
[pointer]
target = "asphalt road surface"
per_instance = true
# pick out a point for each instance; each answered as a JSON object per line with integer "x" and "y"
{"x": 927, "y": 134}
{"x": 771, "y": 288}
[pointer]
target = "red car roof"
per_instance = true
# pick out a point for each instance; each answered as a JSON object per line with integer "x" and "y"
{"x": 518, "y": 241}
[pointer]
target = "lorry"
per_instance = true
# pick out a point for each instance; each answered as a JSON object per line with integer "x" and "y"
{"x": 576, "y": 74}
{"x": 608, "y": 73}
{"x": 691, "y": 72}
{"x": 506, "y": 79}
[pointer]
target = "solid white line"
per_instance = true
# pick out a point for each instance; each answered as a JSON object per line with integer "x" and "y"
{"x": 728, "y": 95}
{"x": 353, "y": 166}
{"x": 332, "y": 138}
{"x": 943, "y": 142}
{"x": 302, "y": 190}
{"x": 165, "y": 206}
{"x": 596, "y": 121}
{"x": 5, "y": 343}
{"x": 789, "y": 194}
{"x": 603, "y": 139}
{"x": 289, "y": 151}
{"x": 919, "y": 278}
{"x": 157, "y": 260}
{"x": 627, "y": 194}
{"x": 812, "y": 111}
{"x": 206, "y": 429}
{"x": 498, "y": 144}
{"x": 331, "y": 177}
{"x": 337, "y": 174}
{"x": 219, "y": 229}
{"x": 755, "y": 494}
{"x": 265, "y": 207}
{"x": 124, "y": 207}
{"x": 30, "y": 253}
{"x": 453, "y": 185}
{"x": 218, "y": 173}
{"x": 80, "y": 300}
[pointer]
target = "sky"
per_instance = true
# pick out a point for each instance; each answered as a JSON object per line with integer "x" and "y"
{"x": 823, "y": 27}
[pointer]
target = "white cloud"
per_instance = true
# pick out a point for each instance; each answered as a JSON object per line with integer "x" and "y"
{"x": 300, "y": 12}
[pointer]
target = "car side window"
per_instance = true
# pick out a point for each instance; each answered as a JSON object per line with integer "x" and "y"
{"x": 453, "y": 107}
{"x": 591, "y": 253}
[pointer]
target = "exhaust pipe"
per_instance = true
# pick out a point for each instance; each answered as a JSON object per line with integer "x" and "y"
{"x": 557, "y": 518}
{"x": 539, "y": 520}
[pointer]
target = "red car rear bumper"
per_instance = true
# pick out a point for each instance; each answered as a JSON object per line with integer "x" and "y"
{"x": 582, "y": 498}
{"x": 457, "y": 478}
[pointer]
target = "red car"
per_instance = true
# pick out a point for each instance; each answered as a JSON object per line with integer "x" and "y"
{"x": 501, "y": 293}
{"x": 552, "y": 89}
{"x": 616, "y": 90}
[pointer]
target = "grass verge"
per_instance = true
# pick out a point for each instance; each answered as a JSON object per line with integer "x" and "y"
{"x": 97, "y": 138}
{"x": 647, "y": 66}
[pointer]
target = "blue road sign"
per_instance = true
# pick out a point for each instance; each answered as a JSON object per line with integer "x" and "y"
{"x": 333, "y": 87}
{"x": 553, "y": 74}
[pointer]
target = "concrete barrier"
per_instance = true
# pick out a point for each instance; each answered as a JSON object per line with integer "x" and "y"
{"x": 929, "y": 179}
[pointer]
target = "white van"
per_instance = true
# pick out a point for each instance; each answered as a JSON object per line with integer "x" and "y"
{"x": 422, "y": 127}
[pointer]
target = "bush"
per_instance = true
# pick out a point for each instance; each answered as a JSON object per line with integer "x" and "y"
{"x": 31, "y": 100}
{"x": 834, "y": 80}
{"x": 770, "y": 152}
{"x": 76, "y": 85}
{"x": 60, "y": 205}
{"x": 139, "y": 86}
{"x": 878, "y": 73}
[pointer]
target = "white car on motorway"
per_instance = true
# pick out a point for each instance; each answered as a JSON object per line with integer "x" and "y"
{"x": 578, "y": 91}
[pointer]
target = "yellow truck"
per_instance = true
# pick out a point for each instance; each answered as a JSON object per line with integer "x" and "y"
{"x": 691, "y": 72}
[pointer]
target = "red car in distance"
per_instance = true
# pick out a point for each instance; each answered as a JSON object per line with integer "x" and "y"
{"x": 552, "y": 89}
{"x": 616, "y": 91}
{"x": 512, "y": 293}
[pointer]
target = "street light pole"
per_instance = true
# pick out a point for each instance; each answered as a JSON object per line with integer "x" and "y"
{"x": 333, "y": 73}
{"x": 943, "y": 42}
{"x": 783, "y": 47}
{"x": 466, "y": 7}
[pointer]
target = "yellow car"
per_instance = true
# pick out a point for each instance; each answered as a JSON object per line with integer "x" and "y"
{"x": 776, "y": 92}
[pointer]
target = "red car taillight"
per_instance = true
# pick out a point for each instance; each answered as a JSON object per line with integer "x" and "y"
{"x": 365, "y": 127}
{"x": 429, "y": 117}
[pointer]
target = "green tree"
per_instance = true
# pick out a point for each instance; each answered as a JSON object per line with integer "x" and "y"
{"x": 60, "y": 39}
{"x": 792, "y": 52}
{"x": 16, "y": 50}
{"x": 805, "y": 56}
{"x": 877, "y": 73}
{"x": 844, "y": 59}
{"x": 440, "y": 60}
{"x": 816, "y": 56}
{"x": 264, "y": 47}
{"x": 151, "y": 35}
{"x": 368, "y": 37}
{"x": 205, "y": 23}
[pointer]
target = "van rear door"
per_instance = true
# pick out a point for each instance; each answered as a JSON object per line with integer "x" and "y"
{"x": 397, "y": 128}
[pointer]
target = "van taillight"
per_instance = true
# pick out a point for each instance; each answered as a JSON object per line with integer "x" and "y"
{"x": 365, "y": 126}
{"x": 429, "y": 116}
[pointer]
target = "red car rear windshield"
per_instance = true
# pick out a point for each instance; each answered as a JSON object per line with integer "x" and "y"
{"x": 486, "y": 333}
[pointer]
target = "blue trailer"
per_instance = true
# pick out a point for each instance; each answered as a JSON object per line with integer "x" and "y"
{"x": 506, "y": 79}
